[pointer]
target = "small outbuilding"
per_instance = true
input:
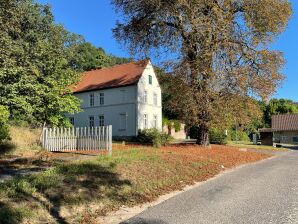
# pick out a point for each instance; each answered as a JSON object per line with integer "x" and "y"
{"x": 284, "y": 130}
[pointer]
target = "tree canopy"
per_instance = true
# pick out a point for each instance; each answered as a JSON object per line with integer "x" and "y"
{"x": 221, "y": 49}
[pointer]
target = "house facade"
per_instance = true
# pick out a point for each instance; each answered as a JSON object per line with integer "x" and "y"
{"x": 126, "y": 96}
{"x": 284, "y": 130}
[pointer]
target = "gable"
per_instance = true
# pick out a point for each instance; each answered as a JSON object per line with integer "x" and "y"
{"x": 115, "y": 76}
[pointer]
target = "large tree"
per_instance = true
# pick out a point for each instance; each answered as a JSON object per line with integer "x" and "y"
{"x": 34, "y": 63}
{"x": 221, "y": 49}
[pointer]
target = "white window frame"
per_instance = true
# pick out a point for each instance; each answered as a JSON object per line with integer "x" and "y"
{"x": 150, "y": 79}
{"x": 91, "y": 99}
{"x": 155, "y": 99}
{"x": 145, "y": 96}
{"x": 125, "y": 120}
{"x": 101, "y": 120}
{"x": 91, "y": 121}
{"x": 155, "y": 121}
{"x": 145, "y": 121}
{"x": 101, "y": 99}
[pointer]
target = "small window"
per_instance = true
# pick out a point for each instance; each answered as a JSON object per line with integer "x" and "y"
{"x": 155, "y": 121}
{"x": 145, "y": 97}
{"x": 101, "y": 98}
{"x": 101, "y": 120}
{"x": 123, "y": 121}
{"x": 145, "y": 121}
{"x": 91, "y": 97}
{"x": 150, "y": 79}
{"x": 295, "y": 139}
{"x": 71, "y": 120}
{"x": 91, "y": 121}
{"x": 155, "y": 99}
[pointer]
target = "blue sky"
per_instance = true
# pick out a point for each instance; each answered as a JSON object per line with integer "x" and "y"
{"x": 94, "y": 19}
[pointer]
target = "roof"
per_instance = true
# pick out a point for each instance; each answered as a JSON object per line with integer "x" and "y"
{"x": 266, "y": 130}
{"x": 285, "y": 122}
{"x": 111, "y": 77}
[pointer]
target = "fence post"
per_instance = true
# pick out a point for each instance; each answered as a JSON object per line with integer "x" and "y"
{"x": 110, "y": 139}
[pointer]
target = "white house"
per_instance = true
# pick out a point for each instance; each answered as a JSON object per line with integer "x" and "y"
{"x": 126, "y": 96}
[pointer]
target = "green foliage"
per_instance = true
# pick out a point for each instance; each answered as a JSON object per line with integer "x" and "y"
{"x": 154, "y": 137}
{"x": 217, "y": 136}
{"x": 241, "y": 135}
{"x": 34, "y": 65}
{"x": 177, "y": 125}
{"x": 86, "y": 57}
{"x": 4, "y": 115}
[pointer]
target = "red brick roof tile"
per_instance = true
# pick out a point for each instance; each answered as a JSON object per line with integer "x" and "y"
{"x": 111, "y": 77}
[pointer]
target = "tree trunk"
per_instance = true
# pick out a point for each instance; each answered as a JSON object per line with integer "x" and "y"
{"x": 203, "y": 135}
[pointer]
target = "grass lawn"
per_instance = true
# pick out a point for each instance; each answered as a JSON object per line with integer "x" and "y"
{"x": 250, "y": 145}
{"x": 80, "y": 191}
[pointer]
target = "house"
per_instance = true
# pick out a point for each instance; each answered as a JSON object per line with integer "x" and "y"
{"x": 284, "y": 130}
{"x": 126, "y": 96}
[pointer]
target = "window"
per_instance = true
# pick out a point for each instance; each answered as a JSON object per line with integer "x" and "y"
{"x": 145, "y": 97}
{"x": 295, "y": 139}
{"x": 155, "y": 99}
{"x": 145, "y": 121}
{"x": 91, "y": 97}
{"x": 150, "y": 79}
{"x": 71, "y": 120}
{"x": 123, "y": 121}
{"x": 91, "y": 121}
{"x": 123, "y": 95}
{"x": 155, "y": 121}
{"x": 101, "y": 120}
{"x": 101, "y": 98}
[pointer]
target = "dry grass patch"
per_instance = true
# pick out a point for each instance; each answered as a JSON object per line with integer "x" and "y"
{"x": 132, "y": 175}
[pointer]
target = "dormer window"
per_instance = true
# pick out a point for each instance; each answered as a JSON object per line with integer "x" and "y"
{"x": 150, "y": 79}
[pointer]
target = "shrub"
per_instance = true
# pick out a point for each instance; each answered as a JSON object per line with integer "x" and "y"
{"x": 4, "y": 115}
{"x": 177, "y": 125}
{"x": 217, "y": 136}
{"x": 154, "y": 137}
{"x": 241, "y": 135}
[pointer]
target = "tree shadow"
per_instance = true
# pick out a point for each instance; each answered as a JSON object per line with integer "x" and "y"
{"x": 75, "y": 184}
{"x": 9, "y": 215}
{"x": 6, "y": 147}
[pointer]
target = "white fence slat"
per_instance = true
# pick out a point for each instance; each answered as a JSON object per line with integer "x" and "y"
{"x": 83, "y": 138}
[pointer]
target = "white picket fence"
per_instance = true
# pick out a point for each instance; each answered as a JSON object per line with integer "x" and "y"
{"x": 73, "y": 139}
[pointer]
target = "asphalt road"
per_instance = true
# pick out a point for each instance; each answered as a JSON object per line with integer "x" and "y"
{"x": 264, "y": 192}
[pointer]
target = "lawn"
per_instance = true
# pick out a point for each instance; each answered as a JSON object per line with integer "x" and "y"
{"x": 250, "y": 145}
{"x": 80, "y": 191}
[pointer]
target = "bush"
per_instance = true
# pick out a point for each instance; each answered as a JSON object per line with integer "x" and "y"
{"x": 217, "y": 136}
{"x": 241, "y": 136}
{"x": 154, "y": 137}
{"x": 4, "y": 115}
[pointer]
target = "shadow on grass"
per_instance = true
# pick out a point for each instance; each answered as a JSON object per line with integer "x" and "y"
{"x": 9, "y": 215}
{"x": 70, "y": 184}
{"x": 6, "y": 147}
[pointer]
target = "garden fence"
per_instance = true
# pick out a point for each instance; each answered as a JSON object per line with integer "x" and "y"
{"x": 74, "y": 139}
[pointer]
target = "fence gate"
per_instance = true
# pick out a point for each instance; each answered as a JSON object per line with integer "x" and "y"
{"x": 72, "y": 139}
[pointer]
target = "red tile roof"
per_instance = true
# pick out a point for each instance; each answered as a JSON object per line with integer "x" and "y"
{"x": 285, "y": 122}
{"x": 115, "y": 76}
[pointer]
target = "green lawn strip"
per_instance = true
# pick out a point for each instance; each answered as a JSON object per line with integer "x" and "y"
{"x": 250, "y": 145}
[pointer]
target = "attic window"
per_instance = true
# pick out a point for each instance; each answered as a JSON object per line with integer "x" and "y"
{"x": 150, "y": 79}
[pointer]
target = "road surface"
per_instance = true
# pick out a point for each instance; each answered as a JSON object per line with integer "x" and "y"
{"x": 264, "y": 192}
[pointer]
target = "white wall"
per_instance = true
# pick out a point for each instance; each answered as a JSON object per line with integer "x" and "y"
{"x": 128, "y": 100}
{"x": 149, "y": 108}
{"x": 116, "y": 101}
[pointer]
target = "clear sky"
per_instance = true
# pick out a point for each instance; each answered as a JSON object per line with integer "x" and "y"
{"x": 94, "y": 19}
